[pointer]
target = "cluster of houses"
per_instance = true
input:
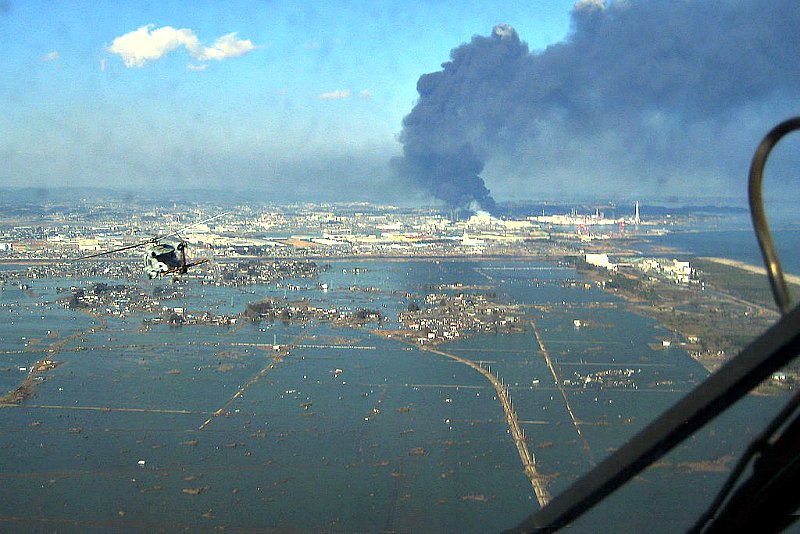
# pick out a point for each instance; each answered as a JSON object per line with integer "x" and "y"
{"x": 447, "y": 317}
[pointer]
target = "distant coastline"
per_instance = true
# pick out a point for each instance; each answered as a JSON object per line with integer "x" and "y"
{"x": 757, "y": 269}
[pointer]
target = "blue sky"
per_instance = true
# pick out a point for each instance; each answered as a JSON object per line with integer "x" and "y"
{"x": 306, "y": 100}
{"x": 78, "y": 114}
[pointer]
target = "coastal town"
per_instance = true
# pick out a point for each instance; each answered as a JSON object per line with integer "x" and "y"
{"x": 56, "y": 231}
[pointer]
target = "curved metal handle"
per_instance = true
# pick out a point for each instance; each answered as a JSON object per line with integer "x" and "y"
{"x": 779, "y": 288}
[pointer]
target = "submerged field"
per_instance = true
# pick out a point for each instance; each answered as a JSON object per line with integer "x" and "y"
{"x": 342, "y": 428}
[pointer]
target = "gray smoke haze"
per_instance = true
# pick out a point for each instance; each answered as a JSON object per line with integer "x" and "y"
{"x": 656, "y": 93}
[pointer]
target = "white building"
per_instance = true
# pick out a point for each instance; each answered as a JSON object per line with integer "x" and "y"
{"x": 600, "y": 260}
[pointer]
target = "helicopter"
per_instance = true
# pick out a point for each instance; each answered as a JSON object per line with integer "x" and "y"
{"x": 162, "y": 258}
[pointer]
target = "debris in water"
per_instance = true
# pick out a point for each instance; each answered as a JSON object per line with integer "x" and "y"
{"x": 194, "y": 491}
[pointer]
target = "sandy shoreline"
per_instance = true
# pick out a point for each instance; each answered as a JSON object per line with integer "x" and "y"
{"x": 757, "y": 269}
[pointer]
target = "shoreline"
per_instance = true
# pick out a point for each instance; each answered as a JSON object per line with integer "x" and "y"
{"x": 755, "y": 269}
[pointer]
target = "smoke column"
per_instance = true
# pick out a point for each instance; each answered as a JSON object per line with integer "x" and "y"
{"x": 651, "y": 93}
{"x": 442, "y": 140}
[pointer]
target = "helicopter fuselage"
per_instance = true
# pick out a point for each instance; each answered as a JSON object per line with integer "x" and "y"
{"x": 162, "y": 259}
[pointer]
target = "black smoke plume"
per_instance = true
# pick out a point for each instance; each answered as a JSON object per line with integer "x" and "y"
{"x": 452, "y": 176}
{"x": 641, "y": 93}
{"x": 443, "y": 136}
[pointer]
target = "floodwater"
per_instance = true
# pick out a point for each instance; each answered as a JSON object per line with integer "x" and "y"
{"x": 203, "y": 427}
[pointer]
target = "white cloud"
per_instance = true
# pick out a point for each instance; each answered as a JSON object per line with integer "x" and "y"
{"x": 51, "y": 56}
{"x": 192, "y": 66}
{"x": 140, "y": 46}
{"x": 335, "y": 95}
{"x": 365, "y": 94}
{"x": 149, "y": 43}
{"x": 224, "y": 47}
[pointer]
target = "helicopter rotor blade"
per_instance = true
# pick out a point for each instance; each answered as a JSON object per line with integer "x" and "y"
{"x": 153, "y": 240}
{"x": 176, "y": 232}
{"x": 136, "y": 245}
